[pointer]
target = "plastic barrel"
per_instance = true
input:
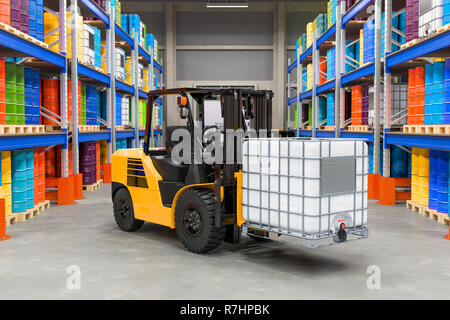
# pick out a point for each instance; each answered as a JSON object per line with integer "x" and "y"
{"x": 2, "y": 92}
{"x": 19, "y": 180}
{"x": 50, "y": 99}
{"x": 330, "y": 109}
{"x": 5, "y": 188}
{"x": 429, "y": 91}
{"x": 432, "y": 187}
{"x": 438, "y": 97}
{"x": 447, "y": 91}
{"x": 10, "y": 85}
{"x": 30, "y": 178}
{"x": 442, "y": 181}
{"x": 399, "y": 163}
{"x": 118, "y": 109}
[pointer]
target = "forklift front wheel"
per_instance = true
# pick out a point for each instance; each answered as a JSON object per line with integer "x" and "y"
{"x": 195, "y": 221}
{"x": 124, "y": 213}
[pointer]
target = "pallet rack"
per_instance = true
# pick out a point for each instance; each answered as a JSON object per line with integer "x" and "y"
{"x": 56, "y": 64}
{"x": 395, "y": 63}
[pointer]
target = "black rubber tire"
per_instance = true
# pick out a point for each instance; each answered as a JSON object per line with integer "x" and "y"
{"x": 209, "y": 237}
{"x": 125, "y": 221}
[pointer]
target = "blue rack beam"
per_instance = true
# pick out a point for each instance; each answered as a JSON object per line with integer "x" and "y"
{"x": 419, "y": 141}
{"x": 319, "y": 133}
{"x": 93, "y": 74}
{"x": 307, "y": 94}
{"x": 423, "y": 48}
{"x": 157, "y": 66}
{"x": 30, "y": 49}
{"x": 368, "y": 136}
{"x": 292, "y": 66}
{"x": 306, "y": 54}
{"x": 159, "y": 101}
{"x": 94, "y": 136}
{"x": 125, "y": 36}
{"x": 142, "y": 94}
{"x": 96, "y": 10}
{"x": 19, "y": 141}
{"x": 326, "y": 86}
{"x": 358, "y": 74}
{"x": 327, "y": 35}
{"x": 354, "y": 11}
{"x": 292, "y": 100}
{"x": 124, "y": 87}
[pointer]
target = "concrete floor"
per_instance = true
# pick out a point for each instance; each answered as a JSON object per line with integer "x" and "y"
{"x": 413, "y": 258}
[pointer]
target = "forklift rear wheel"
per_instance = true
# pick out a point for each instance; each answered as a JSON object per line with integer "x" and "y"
{"x": 195, "y": 221}
{"x": 124, "y": 213}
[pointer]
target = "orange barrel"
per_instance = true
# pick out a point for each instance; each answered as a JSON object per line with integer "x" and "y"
{"x": 41, "y": 169}
{"x": 36, "y": 175}
{"x": 50, "y": 163}
{"x": 412, "y": 118}
{"x": 51, "y": 99}
{"x": 5, "y": 11}
{"x": 420, "y": 94}
{"x": 357, "y": 105}
{"x": 97, "y": 158}
{"x": 2, "y": 88}
{"x": 323, "y": 70}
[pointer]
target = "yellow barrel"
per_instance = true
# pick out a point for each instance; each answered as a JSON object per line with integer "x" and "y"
{"x": 309, "y": 34}
{"x": 309, "y": 76}
{"x": 51, "y": 22}
{"x": 5, "y": 189}
{"x": 128, "y": 75}
{"x": 361, "y": 47}
{"x": 415, "y": 161}
{"x": 415, "y": 196}
{"x": 146, "y": 80}
{"x": 103, "y": 152}
{"x": 424, "y": 163}
{"x": 423, "y": 191}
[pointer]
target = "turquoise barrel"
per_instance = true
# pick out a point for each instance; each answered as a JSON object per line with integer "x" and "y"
{"x": 19, "y": 180}
{"x": 30, "y": 178}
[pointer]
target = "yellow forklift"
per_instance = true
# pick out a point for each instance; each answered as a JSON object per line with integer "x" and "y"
{"x": 201, "y": 201}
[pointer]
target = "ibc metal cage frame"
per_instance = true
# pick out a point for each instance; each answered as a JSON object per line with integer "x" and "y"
{"x": 353, "y": 232}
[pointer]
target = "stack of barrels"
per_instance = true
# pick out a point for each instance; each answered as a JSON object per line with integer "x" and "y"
{"x": 5, "y": 189}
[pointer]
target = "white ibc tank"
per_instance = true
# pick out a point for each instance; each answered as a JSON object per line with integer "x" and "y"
{"x": 304, "y": 187}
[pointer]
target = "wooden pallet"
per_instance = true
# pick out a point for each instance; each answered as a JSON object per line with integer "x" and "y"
{"x": 21, "y": 129}
{"x": 89, "y": 128}
{"x": 94, "y": 186}
{"x": 444, "y": 219}
{"x": 44, "y": 205}
{"x": 141, "y": 128}
{"x": 410, "y": 43}
{"x": 364, "y": 128}
{"x": 443, "y": 28}
{"x": 54, "y": 128}
{"x": 327, "y": 128}
{"x": 84, "y": 63}
{"x": 27, "y": 215}
{"x": 427, "y": 129}
{"x": 414, "y": 206}
{"x": 431, "y": 213}
{"x": 23, "y": 35}
{"x": 120, "y": 128}
{"x": 11, "y": 219}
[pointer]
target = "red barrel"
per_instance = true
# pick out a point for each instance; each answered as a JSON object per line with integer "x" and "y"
{"x": 50, "y": 99}
{"x": 5, "y": 11}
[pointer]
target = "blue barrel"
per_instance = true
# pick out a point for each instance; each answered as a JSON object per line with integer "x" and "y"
{"x": 118, "y": 109}
{"x": 442, "y": 181}
{"x": 30, "y": 178}
{"x": 322, "y": 110}
{"x": 399, "y": 163}
{"x": 428, "y": 94}
{"x": 438, "y": 97}
{"x": 447, "y": 91}
{"x": 330, "y": 109}
{"x": 19, "y": 180}
{"x": 432, "y": 181}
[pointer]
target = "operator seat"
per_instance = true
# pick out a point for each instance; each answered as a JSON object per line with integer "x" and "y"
{"x": 169, "y": 170}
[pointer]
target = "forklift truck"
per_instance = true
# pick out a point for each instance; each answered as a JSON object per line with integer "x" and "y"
{"x": 199, "y": 200}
